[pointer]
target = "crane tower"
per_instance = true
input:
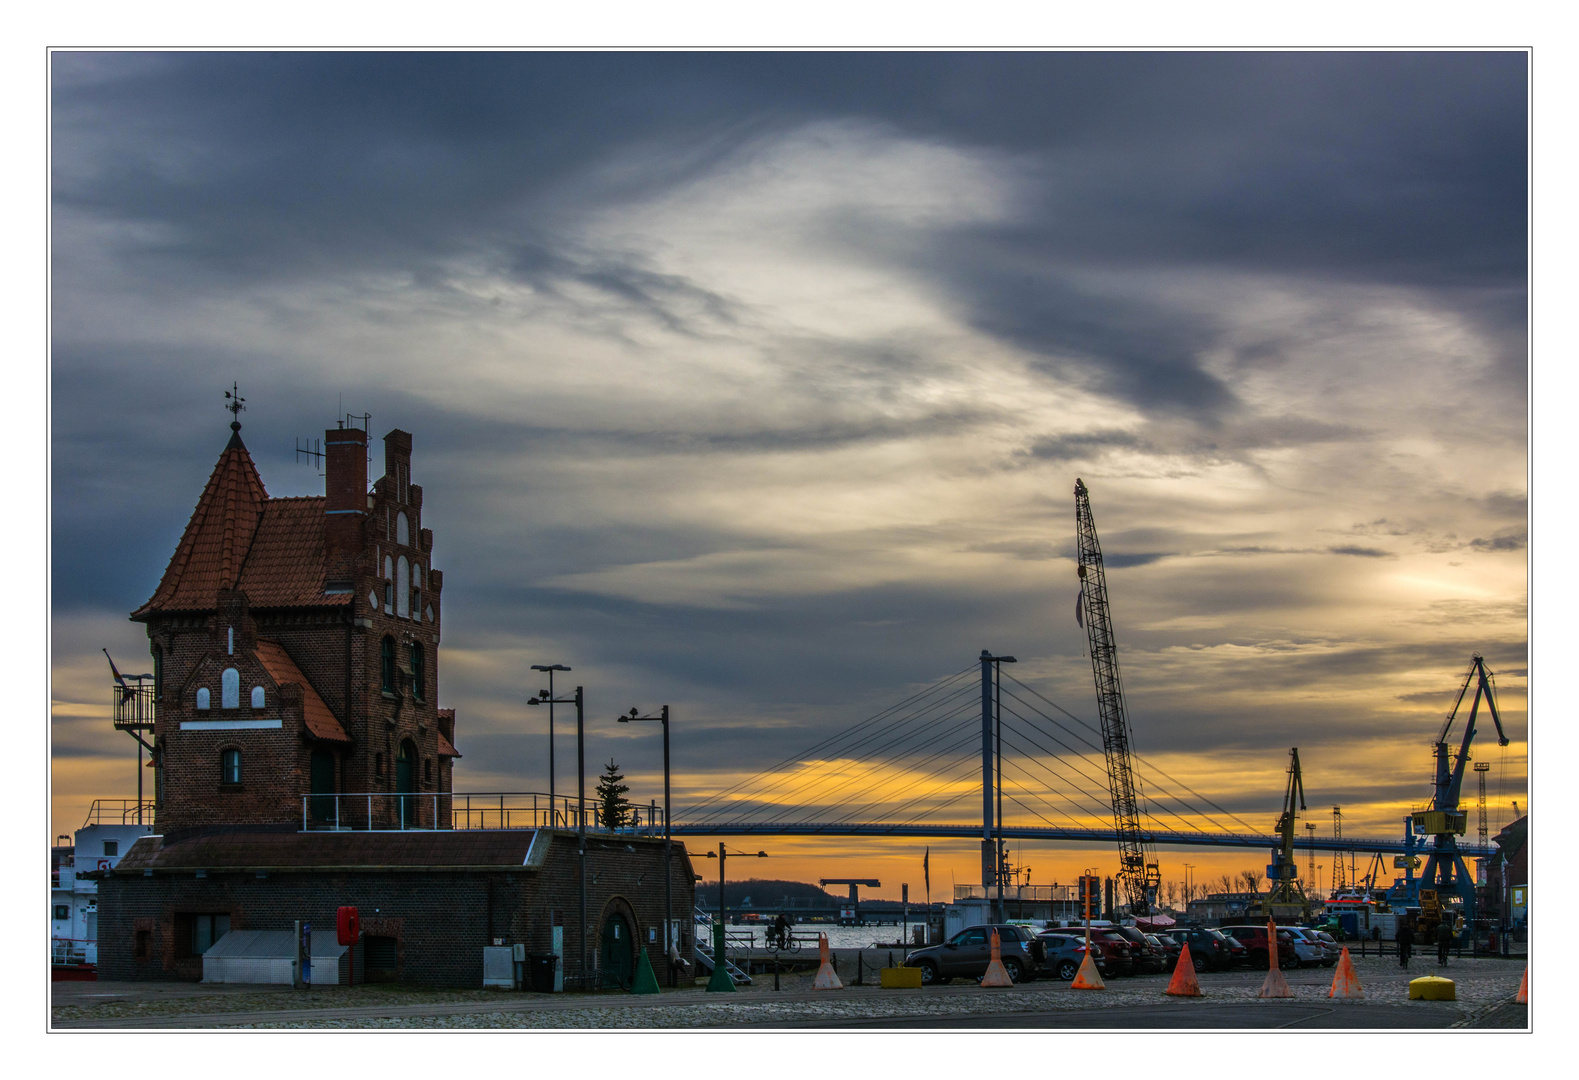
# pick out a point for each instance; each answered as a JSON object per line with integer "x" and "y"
{"x": 1138, "y": 873}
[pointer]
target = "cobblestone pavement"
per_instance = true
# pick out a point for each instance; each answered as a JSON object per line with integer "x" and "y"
{"x": 1484, "y": 987}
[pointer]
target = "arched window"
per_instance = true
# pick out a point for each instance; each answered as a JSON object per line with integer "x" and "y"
{"x": 230, "y": 766}
{"x": 402, "y": 529}
{"x": 230, "y": 689}
{"x": 257, "y": 697}
{"x": 386, "y": 666}
{"x": 402, "y": 589}
{"x": 419, "y": 678}
{"x": 389, "y": 567}
{"x": 202, "y": 697}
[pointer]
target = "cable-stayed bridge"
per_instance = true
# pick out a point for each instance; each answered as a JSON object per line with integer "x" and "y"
{"x": 1036, "y": 770}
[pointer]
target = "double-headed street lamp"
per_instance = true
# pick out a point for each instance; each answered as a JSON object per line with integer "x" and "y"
{"x": 721, "y": 854}
{"x": 545, "y": 697}
{"x": 549, "y": 696}
{"x": 669, "y": 946}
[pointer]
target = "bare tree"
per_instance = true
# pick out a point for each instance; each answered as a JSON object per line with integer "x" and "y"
{"x": 1251, "y": 880}
{"x": 1227, "y": 883}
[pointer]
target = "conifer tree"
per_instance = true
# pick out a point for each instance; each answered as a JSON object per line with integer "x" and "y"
{"x": 614, "y": 809}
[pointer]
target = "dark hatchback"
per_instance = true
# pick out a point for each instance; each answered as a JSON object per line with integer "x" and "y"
{"x": 1210, "y": 950}
{"x": 967, "y": 954}
{"x": 1149, "y": 959}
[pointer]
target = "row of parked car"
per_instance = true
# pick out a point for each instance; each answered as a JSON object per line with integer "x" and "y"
{"x": 1118, "y": 950}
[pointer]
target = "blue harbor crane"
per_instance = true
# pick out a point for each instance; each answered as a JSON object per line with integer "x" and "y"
{"x": 1445, "y": 873}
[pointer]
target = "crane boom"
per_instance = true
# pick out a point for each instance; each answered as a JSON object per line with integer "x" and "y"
{"x": 1138, "y": 872}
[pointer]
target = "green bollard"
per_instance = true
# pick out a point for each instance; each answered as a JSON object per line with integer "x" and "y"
{"x": 720, "y": 982}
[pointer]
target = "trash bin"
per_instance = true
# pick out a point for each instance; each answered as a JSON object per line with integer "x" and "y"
{"x": 542, "y": 965}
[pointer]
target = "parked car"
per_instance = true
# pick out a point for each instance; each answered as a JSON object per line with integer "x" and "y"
{"x": 1150, "y": 959}
{"x": 1254, "y": 939}
{"x": 1170, "y": 947}
{"x": 1210, "y": 950}
{"x": 1307, "y": 946}
{"x": 1065, "y": 952}
{"x": 1334, "y": 949}
{"x": 1241, "y": 955}
{"x": 967, "y": 954}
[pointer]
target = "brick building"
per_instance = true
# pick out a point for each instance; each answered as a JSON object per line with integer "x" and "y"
{"x": 302, "y": 762}
{"x": 295, "y": 648}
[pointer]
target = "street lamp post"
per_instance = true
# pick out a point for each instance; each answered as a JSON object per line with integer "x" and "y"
{"x": 550, "y": 668}
{"x": 669, "y": 946}
{"x": 718, "y": 937}
{"x": 544, "y": 697}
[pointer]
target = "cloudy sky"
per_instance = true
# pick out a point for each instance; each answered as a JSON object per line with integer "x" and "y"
{"x": 758, "y": 384}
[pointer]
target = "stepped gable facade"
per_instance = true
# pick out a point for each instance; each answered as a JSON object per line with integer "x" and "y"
{"x": 295, "y": 649}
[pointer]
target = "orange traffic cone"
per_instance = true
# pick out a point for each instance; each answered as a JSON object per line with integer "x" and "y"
{"x": 1345, "y": 983}
{"x": 1088, "y": 977}
{"x": 1524, "y": 988}
{"x": 826, "y": 979}
{"x": 1184, "y": 983}
{"x": 997, "y": 974}
{"x": 1274, "y": 986}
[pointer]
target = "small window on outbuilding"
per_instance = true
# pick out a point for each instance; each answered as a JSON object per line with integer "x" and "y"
{"x": 257, "y": 697}
{"x": 202, "y": 697}
{"x": 62, "y": 911}
{"x": 230, "y": 689}
{"x": 112, "y": 847}
{"x": 230, "y": 766}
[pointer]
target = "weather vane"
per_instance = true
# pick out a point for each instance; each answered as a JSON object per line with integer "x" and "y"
{"x": 237, "y": 405}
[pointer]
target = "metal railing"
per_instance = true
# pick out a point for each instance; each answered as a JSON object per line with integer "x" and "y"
{"x": 1019, "y": 893}
{"x": 120, "y": 812}
{"x": 465, "y": 810}
{"x": 134, "y": 706}
{"x": 69, "y": 951}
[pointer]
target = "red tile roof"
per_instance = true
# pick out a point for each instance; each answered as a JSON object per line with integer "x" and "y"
{"x": 321, "y": 723}
{"x": 238, "y": 537}
{"x": 216, "y": 539}
{"x": 285, "y": 565}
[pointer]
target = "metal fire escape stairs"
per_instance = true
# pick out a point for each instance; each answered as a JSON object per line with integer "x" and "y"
{"x": 1138, "y": 873}
{"x": 702, "y": 941}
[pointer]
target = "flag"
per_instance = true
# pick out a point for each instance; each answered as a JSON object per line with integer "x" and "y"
{"x": 1080, "y": 606}
{"x": 119, "y": 678}
{"x": 926, "y": 868}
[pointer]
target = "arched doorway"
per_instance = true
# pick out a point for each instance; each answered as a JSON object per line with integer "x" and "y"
{"x": 618, "y": 955}
{"x": 406, "y": 783}
{"x": 321, "y": 784}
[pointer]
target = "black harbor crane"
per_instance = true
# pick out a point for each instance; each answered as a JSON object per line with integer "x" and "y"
{"x": 1138, "y": 873}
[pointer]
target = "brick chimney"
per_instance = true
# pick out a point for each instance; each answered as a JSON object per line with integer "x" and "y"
{"x": 345, "y": 507}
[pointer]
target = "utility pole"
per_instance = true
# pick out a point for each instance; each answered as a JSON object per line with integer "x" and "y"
{"x": 545, "y": 697}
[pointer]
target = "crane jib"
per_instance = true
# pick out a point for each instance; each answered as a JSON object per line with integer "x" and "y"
{"x": 1138, "y": 871}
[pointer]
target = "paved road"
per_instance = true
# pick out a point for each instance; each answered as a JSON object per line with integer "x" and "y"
{"x": 1195, "y": 1016}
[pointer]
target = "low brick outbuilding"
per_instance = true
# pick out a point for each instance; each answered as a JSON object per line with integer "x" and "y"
{"x": 429, "y": 902}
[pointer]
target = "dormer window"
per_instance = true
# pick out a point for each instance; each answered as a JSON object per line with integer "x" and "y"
{"x": 230, "y": 689}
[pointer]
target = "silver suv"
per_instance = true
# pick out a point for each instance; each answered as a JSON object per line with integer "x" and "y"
{"x": 967, "y": 954}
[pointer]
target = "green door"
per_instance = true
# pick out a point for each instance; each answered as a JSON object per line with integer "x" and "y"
{"x": 619, "y": 958}
{"x": 405, "y": 782}
{"x": 321, "y": 784}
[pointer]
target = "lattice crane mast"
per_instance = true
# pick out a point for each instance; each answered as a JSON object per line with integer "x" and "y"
{"x": 1138, "y": 873}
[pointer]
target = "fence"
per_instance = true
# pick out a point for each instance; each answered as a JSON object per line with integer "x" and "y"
{"x": 400, "y": 811}
{"x": 120, "y": 812}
